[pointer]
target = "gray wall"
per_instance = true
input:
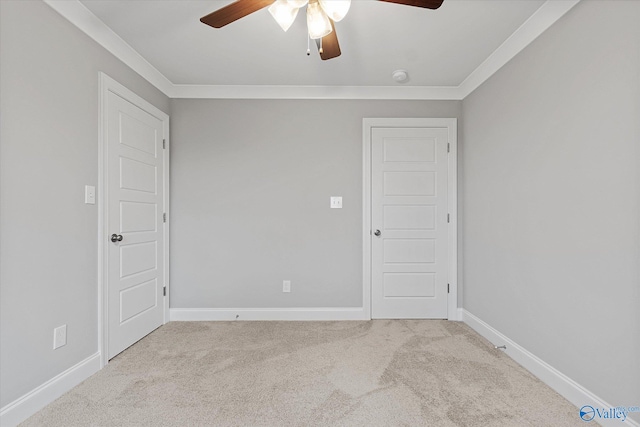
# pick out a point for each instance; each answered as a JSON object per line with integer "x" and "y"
{"x": 250, "y": 186}
{"x": 552, "y": 199}
{"x": 49, "y": 151}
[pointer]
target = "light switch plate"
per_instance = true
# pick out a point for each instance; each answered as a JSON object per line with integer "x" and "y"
{"x": 59, "y": 336}
{"x": 90, "y": 194}
{"x": 336, "y": 202}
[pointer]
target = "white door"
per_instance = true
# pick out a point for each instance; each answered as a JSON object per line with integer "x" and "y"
{"x": 135, "y": 197}
{"x": 409, "y": 223}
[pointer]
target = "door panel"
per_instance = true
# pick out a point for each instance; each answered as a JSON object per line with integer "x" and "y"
{"x": 409, "y": 183}
{"x": 138, "y": 217}
{"x": 404, "y": 251}
{"x": 138, "y": 135}
{"x": 409, "y": 284}
{"x": 137, "y": 258}
{"x": 136, "y": 200}
{"x": 411, "y": 217}
{"x": 409, "y": 150}
{"x": 138, "y": 299}
{"x": 409, "y": 168}
{"x": 138, "y": 176}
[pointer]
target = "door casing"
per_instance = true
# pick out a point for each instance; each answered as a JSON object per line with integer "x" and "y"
{"x": 106, "y": 85}
{"x": 452, "y": 205}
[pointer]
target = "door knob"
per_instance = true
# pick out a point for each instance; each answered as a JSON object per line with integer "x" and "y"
{"x": 377, "y": 233}
{"x": 116, "y": 238}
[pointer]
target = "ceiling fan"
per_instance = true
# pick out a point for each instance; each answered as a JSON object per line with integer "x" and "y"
{"x": 321, "y": 15}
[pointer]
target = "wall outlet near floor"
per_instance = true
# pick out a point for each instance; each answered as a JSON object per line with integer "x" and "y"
{"x": 336, "y": 202}
{"x": 286, "y": 286}
{"x": 59, "y": 336}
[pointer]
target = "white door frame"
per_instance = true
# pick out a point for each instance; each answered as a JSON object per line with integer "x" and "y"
{"x": 452, "y": 200}
{"x": 107, "y": 84}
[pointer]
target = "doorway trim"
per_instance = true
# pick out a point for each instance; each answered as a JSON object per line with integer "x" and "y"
{"x": 106, "y": 85}
{"x": 452, "y": 203}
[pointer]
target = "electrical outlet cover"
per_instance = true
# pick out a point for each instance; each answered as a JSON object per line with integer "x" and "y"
{"x": 59, "y": 336}
{"x": 90, "y": 194}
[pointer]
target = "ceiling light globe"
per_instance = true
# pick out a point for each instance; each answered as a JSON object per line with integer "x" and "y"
{"x": 318, "y": 23}
{"x": 298, "y": 3}
{"x": 336, "y": 9}
{"x": 283, "y": 13}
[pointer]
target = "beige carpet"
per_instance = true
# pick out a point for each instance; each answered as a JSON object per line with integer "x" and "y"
{"x": 378, "y": 373}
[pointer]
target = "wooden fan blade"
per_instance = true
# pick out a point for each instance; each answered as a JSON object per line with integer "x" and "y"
{"x": 233, "y": 12}
{"x": 330, "y": 45}
{"x": 428, "y": 4}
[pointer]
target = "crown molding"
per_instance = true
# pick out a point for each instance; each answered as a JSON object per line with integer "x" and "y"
{"x": 538, "y": 23}
{"x": 86, "y": 21}
{"x": 316, "y": 92}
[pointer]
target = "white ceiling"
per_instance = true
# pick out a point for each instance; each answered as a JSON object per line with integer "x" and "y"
{"x": 437, "y": 47}
{"x": 448, "y": 52}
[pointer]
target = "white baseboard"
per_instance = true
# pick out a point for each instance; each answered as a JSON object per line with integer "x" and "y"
{"x": 328, "y": 313}
{"x": 258, "y": 314}
{"x": 22, "y": 408}
{"x": 565, "y": 386}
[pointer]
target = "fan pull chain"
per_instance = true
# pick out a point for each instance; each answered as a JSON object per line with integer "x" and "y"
{"x": 308, "y": 45}
{"x": 321, "y": 50}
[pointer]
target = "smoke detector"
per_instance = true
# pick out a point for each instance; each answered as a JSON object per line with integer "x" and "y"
{"x": 400, "y": 76}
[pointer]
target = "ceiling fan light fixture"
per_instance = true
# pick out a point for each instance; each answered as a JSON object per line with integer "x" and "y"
{"x": 298, "y": 3}
{"x": 336, "y": 9}
{"x": 318, "y": 22}
{"x": 284, "y": 13}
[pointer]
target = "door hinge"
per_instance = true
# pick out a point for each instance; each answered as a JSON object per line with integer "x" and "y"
{"x": 447, "y": 288}
{"x": 164, "y": 291}
{"x": 164, "y": 144}
{"x": 448, "y": 147}
{"x": 164, "y": 217}
{"x": 448, "y": 218}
